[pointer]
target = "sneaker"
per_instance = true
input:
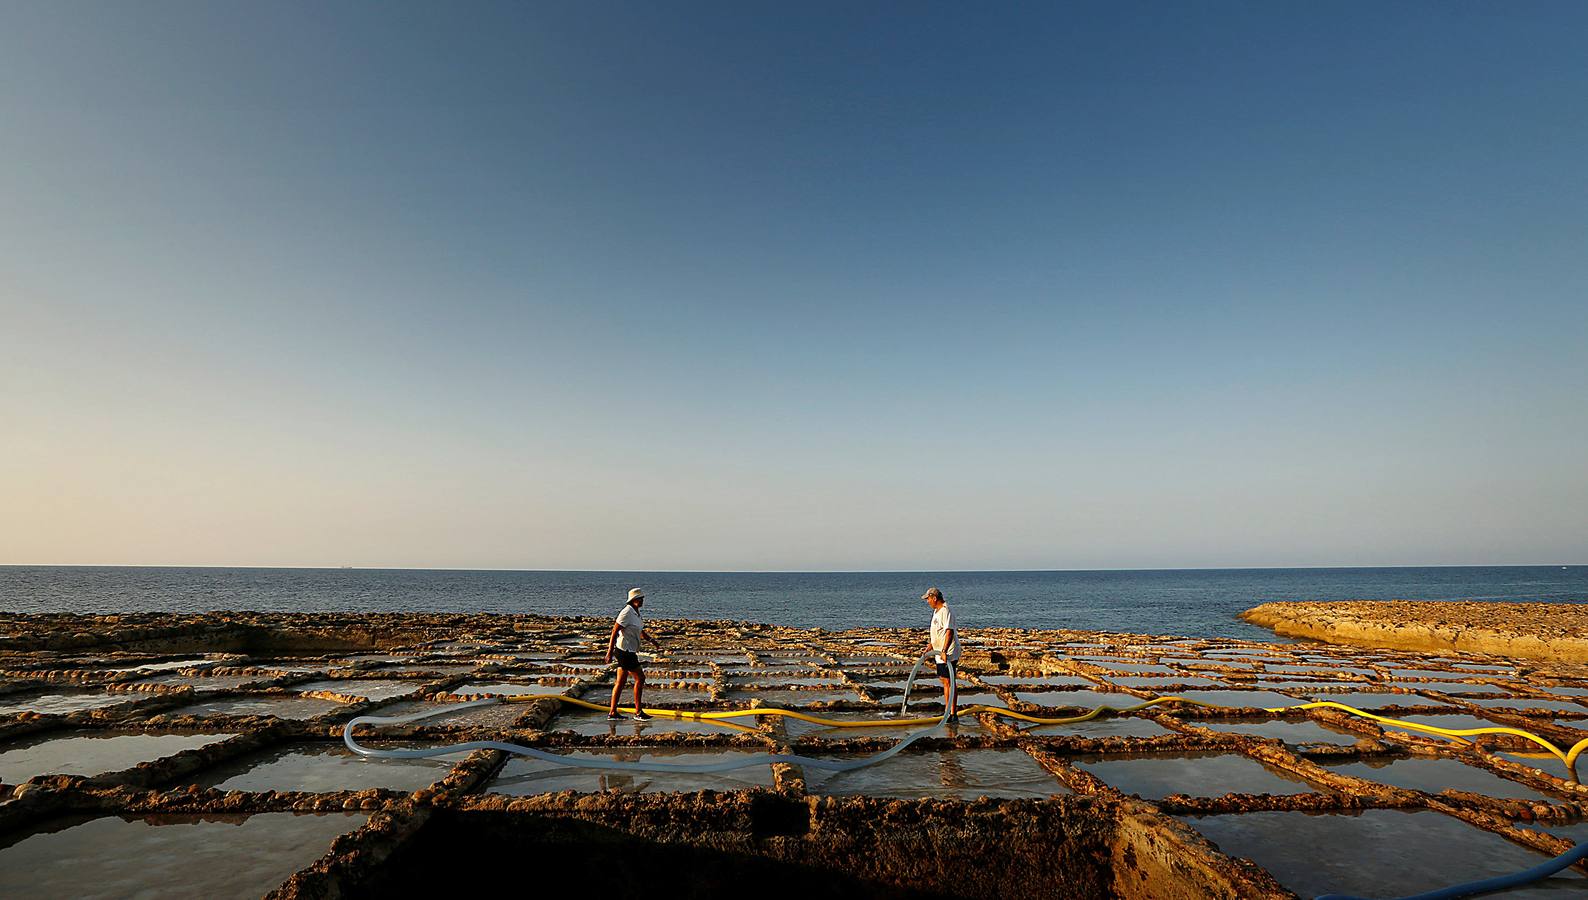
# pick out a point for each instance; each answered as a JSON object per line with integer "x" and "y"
{"x": 613, "y": 717}
{"x": 642, "y": 716}
{"x": 953, "y": 720}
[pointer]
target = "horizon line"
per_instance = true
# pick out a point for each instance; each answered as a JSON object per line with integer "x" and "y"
{"x": 788, "y": 571}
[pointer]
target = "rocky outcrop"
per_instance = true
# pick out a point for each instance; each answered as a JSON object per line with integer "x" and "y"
{"x": 1557, "y": 632}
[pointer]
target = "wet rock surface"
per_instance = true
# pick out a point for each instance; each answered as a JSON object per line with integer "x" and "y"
{"x": 237, "y": 716}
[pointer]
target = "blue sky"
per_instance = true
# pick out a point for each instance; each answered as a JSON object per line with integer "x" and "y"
{"x": 746, "y": 286}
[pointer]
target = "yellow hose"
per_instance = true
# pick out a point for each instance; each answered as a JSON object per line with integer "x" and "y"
{"x": 1568, "y": 756}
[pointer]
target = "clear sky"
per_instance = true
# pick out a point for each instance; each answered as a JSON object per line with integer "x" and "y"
{"x": 793, "y": 285}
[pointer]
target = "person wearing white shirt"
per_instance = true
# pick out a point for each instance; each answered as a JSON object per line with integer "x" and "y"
{"x": 624, "y": 643}
{"x": 945, "y": 640}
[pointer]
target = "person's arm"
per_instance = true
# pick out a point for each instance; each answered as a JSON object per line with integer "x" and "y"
{"x": 645, "y": 635}
{"x": 612, "y": 640}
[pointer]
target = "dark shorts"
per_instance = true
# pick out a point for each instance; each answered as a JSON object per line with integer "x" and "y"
{"x": 629, "y": 662}
{"x": 942, "y": 670}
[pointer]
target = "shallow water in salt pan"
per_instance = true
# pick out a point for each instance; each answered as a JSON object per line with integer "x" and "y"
{"x": 1212, "y": 774}
{"x": 1320, "y": 669}
{"x": 1082, "y": 699}
{"x": 1408, "y": 672}
{"x": 279, "y": 706}
{"x": 522, "y": 776}
{"x": 494, "y": 716}
{"x": 1293, "y": 733}
{"x": 208, "y": 682}
{"x": 1158, "y": 683}
{"x": 966, "y": 774}
{"x": 439, "y": 669}
{"x": 1435, "y": 775}
{"x": 210, "y": 856}
{"x": 1545, "y": 762}
{"x": 1453, "y": 688}
{"x": 1241, "y": 699}
{"x": 1366, "y": 700}
{"x": 1376, "y": 853}
{"x": 790, "y": 698}
{"x": 65, "y": 702}
{"x": 1046, "y": 680}
{"x": 1577, "y": 832}
{"x": 321, "y": 768}
{"x": 770, "y": 679}
{"x": 1143, "y": 668}
{"x": 1520, "y": 703}
{"x": 85, "y": 753}
{"x": 591, "y": 722}
{"x": 503, "y": 688}
{"x": 1111, "y": 726}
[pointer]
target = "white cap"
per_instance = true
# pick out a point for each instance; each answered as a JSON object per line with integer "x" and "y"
{"x": 636, "y": 594}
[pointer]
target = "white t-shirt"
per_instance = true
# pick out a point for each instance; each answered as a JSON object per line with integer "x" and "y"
{"x": 629, "y": 626}
{"x": 942, "y": 624}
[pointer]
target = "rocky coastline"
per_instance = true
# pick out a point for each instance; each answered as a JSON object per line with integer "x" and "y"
{"x": 1554, "y": 632}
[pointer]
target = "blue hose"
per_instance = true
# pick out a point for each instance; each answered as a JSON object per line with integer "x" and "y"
{"x": 1501, "y": 883}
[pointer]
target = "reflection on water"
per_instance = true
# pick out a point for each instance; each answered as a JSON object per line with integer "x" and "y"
{"x": 203, "y": 683}
{"x": 1434, "y": 775}
{"x": 1109, "y": 726}
{"x": 1082, "y": 699}
{"x": 324, "y": 767}
{"x": 790, "y": 698}
{"x": 1241, "y": 699}
{"x": 1569, "y": 706}
{"x": 167, "y": 856}
{"x": 524, "y": 775}
{"x": 1047, "y": 680}
{"x": 66, "y": 702}
{"x": 1197, "y": 774}
{"x": 1304, "y": 732}
{"x": 90, "y": 754}
{"x": 966, "y": 774}
{"x": 281, "y": 707}
{"x": 1544, "y": 762}
{"x": 596, "y": 724}
{"x": 1367, "y": 700}
{"x": 1147, "y": 682}
{"x": 495, "y": 715}
{"x": 1377, "y": 853}
{"x": 795, "y": 728}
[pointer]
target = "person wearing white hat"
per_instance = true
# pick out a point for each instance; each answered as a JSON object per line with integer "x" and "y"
{"x": 944, "y": 638}
{"x": 624, "y": 643}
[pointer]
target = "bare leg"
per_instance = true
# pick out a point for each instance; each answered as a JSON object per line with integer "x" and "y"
{"x": 948, "y": 695}
{"x": 617, "y": 692}
{"x": 639, "y": 688}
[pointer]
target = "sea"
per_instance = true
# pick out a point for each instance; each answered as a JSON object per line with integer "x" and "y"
{"x": 1179, "y": 602}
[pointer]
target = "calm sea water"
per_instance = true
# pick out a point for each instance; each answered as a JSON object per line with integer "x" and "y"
{"x": 1189, "y": 602}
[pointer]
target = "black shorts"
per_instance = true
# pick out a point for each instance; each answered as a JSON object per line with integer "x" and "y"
{"x": 942, "y": 670}
{"x": 629, "y": 662}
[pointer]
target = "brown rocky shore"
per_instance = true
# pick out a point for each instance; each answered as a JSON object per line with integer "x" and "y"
{"x": 1545, "y": 631}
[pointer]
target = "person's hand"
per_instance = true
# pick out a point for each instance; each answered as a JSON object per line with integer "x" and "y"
{"x": 608, "y": 659}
